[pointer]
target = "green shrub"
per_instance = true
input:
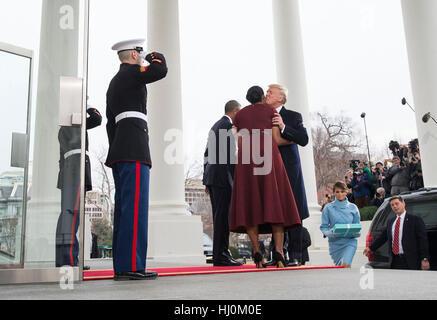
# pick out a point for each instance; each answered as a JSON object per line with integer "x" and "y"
{"x": 367, "y": 213}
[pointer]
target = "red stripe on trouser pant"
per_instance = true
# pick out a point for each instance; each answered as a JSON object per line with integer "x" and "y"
{"x": 137, "y": 200}
{"x": 73, "y": 233}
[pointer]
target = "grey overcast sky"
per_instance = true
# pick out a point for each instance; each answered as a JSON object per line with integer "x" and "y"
{"x": 355, "y": 58}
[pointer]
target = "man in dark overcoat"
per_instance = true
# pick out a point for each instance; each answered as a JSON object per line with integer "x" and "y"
{"x": 292, "y": 129}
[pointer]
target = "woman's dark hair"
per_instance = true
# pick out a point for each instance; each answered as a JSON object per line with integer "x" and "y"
{"x": 340, "y": 185}
{"x": 255, "y": 94}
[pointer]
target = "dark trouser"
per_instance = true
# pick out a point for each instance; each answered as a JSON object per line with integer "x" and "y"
{"x": 131, "y": 215}
{"x": 67, "y": 245}
{"x": 399, "y": 262}
{"x": 221, "y": 205}
{"x": 295, "y": 243}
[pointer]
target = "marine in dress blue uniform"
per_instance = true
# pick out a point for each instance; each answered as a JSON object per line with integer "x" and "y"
{"x": 129, "y": 156}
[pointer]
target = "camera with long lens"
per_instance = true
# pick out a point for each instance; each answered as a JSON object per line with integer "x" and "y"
{"x": 397, "y": 151}
{"x": 414, "y": 146}
{"x": 394, "y": 147}
{"x": 354, "y": 164}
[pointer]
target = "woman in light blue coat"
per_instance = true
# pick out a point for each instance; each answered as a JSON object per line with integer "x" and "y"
{"x": 342, "y": 248}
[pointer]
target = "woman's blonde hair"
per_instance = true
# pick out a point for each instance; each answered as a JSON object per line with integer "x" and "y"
{"x": 282, "y": 90}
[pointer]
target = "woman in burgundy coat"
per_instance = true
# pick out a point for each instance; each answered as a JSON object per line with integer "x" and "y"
{"x": 262, "y": 199}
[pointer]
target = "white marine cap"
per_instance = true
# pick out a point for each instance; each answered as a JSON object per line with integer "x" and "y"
{"x": 135, "y": 44}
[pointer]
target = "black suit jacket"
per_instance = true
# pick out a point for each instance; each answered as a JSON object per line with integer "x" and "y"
{"x": 414, "y": 240}
{"x": 296, "y": 132}
{"x": 220, "y": 158}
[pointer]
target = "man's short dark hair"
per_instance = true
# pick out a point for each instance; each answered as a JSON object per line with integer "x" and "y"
{"x": 396, "y": 198}
{"x": 231, "y": 106}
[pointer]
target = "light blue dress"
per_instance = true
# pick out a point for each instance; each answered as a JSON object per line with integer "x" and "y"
{"x": 341, "y": 248}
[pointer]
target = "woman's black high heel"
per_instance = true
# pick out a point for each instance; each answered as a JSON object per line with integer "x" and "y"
{"x": 258, "y": 259}
{"x": 280, "y": 261}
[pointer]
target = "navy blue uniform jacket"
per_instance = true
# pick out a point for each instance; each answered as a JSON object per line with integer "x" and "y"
{"x": 129, "y": 139}
{"x": 296, "y": 132}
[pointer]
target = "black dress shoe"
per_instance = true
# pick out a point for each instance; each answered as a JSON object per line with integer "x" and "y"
{"x": 135, "y": 275}
{"x": 227, "y": 263}
{"x": 293, "y": 263}
{"x": 150, "y": 275}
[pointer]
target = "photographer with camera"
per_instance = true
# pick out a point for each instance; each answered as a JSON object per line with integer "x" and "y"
{"x": 415, "y": 171}
{"x": 400, "y": 177}
{"x": 347, "y": 179}
{"x": 379, "y": 177}
{"x": 400, "y": 151}
{"x": 361, "y": 187}
{"x": 379, "y": 198}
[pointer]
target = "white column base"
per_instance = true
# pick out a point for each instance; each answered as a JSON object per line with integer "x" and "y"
{"x": 174, "y": 236}
{"x": 313, "y": 225}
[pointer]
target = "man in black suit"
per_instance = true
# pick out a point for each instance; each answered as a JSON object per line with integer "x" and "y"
{"x": 218, "y": 177}
{"x": 291, "y": 125}
{"x": 407, "y": 238}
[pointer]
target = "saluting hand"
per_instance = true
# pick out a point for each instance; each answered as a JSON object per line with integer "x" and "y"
{"x": 155, "y": 56}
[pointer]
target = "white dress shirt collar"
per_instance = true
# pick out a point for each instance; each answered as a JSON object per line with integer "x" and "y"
{"x": 279, "y": 109}
{"x": 229, "y": 118}
{"x": 402, "y": 216}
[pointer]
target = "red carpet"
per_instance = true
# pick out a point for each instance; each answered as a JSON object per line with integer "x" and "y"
{"x": 185, "y": 271}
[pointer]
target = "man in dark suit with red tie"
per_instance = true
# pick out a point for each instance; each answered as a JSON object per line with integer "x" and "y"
{"x": 218, "y": 177}
{"x": 407, "y": 238}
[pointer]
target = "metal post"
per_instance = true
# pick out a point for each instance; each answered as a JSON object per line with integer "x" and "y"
{"x": 83, "y": 146}
{"x": 367, "y": 139}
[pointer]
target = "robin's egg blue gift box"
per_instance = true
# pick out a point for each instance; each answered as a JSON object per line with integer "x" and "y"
{"x": 346, "y": 228}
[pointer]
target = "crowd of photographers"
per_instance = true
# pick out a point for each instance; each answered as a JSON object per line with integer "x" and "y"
{"x": 370, "y": 185}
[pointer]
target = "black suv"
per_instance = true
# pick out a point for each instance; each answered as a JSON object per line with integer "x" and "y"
{"x": 422, "y": 203}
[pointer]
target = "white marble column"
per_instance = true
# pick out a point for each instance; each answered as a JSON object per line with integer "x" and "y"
{"x": 58, "y": 56}
{"x": 173, "y": 232}
{"x": 290, "y": 67}
{"x": 420, "y": 23}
